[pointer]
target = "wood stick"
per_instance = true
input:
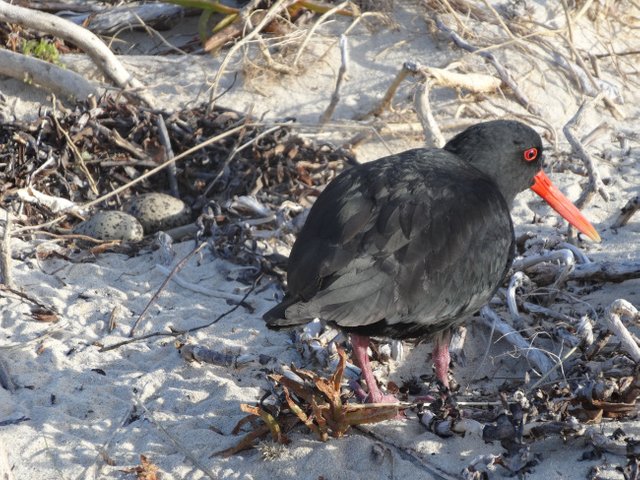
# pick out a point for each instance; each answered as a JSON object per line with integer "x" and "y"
{"x": 274, "y": 10}
{"x": 627, "y": 212}
{"x": 612, "y": 316}
{"x": 165, "y": 140}
{"x": 595, "y": 182}
{"x": 407, "y": 69}
{"x": 536, "y": 356}
{"x": 108, "y": 63}
{"x": 64, "y": 83}
{"x": 175, "y": 270}
{"x": 111, "y": 20}
{"x": 433, "y": 134}
{"x": 317, "y": 24}
{"x": 6, "y": 276}
{"x": 6, "y": 472}
{"x": 335, "y": 96}
{"x": 606, "y": 271}
{"x": 502, "y": 71}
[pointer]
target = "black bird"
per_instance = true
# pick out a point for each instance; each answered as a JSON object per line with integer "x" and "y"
{"x": 411, "y": 244}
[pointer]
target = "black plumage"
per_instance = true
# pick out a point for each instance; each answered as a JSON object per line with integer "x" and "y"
{"x": 411, "y": 244}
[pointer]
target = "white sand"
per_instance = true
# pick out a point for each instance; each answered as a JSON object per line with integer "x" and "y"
{"x": 81, "y": 404}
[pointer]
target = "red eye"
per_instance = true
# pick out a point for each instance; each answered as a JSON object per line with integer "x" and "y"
{"x": 531, "y": 154}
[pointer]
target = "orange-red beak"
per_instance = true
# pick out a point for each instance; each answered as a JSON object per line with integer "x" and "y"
{"x": 561, "y": 204}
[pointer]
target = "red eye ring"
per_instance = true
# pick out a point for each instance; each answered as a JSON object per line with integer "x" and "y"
{"x": 531, "y": 154}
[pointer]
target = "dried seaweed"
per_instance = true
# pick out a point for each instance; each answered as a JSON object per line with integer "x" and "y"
{"x": 314, "y": 401}
{"x": 83, "y": 153}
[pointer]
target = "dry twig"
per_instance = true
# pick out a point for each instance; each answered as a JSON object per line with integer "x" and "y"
{"x": 83, "y": 38}
{"x": 64, "y": 83}
{"x": 166, "y": 143}
{"x": 433, "y": 134}
{"x": 335, "y": 96}
{"x": 407, "y": 69}
{"x": 177, "y": 333}
{"x": 274, "y": 10}
{"x": 502, "y": 71}
{"x": 627, "y": 212}
{"x": 6, "y": 276}
{"x": 536, "y": 356}
{"x": 174, "y": 271}
{"x": 595, "y": 182}
{"x": 614, "y": 323}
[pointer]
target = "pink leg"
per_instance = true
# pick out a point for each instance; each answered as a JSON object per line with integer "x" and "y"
{"x": 440, "y": 356}
{"x": 360, "y": 345}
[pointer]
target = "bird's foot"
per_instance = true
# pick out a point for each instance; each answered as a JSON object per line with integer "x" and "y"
{"x": 375, "y": 396}
{"x": 382, "y": 398}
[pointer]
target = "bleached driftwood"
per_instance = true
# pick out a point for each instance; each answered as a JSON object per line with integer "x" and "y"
{"x": 433, "y": 134}
{"x": 111, "y": 20}
{"x": 79, "y": 36}
{"x": 606, "y": 271}
{"x": 595, "y": 182}
{"x": 6, "y": 275}
{"x": 536, "y": 356}
{"x": 474, "y": 82}
{"x": 335, "y": 96}
{"x": 6, "y": 472}
{"x": 504, "y": 74}
{"x": 64, "y": 83}
{"x": 55, "y": 204}
{"x": 614, "y": 323}
{"x": 627, "y": 212}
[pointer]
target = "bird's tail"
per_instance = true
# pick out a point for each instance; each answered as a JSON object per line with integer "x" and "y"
{"x": 276, "y": 317}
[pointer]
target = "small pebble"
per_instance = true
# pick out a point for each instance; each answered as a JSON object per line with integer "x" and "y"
{"x": 111, "y": 225}
{"x": 158, "y": 211}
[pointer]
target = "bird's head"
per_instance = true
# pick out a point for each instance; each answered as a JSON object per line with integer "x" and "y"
{"x": 511, "y": 154}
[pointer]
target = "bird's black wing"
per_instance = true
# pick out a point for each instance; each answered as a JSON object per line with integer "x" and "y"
{"x": 398, "y": 241}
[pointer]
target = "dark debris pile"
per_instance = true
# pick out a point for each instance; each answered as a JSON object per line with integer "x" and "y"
{"x": 83, "y": 153}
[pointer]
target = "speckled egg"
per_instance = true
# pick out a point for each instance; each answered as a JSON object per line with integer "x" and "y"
{"x": 158, "y": 211}
{"x": 111, "y": 225}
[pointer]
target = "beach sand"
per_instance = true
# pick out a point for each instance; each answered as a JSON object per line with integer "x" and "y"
{"x": 79, "y": 413}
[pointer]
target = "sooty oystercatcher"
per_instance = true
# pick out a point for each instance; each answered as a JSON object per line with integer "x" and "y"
{"x": 411, "y": 244}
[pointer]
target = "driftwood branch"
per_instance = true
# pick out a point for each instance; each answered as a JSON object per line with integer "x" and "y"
{"x": 606, "y": 272}
{"x": 79, "y": 36}
{"x": 6, "y": 276}
{"x": 627, "y": 212}
{"x": 335, "y": 97}
{"x": 407, "y": 69}
{"x": 503, "y": 73}
{"x": 473, "y": 82}
{"x": 6, "y": 472}
{"x": 536, "y": 356}
{"x": 172, "y": 170}
{"x": 595, "y": 181}
{"x": 273, "y": 11}
{"x": 433, "y": 134}
{"x": 64, "y": 83}
{"x": 612, "y": 317}
{"x": 111, "y": 20}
